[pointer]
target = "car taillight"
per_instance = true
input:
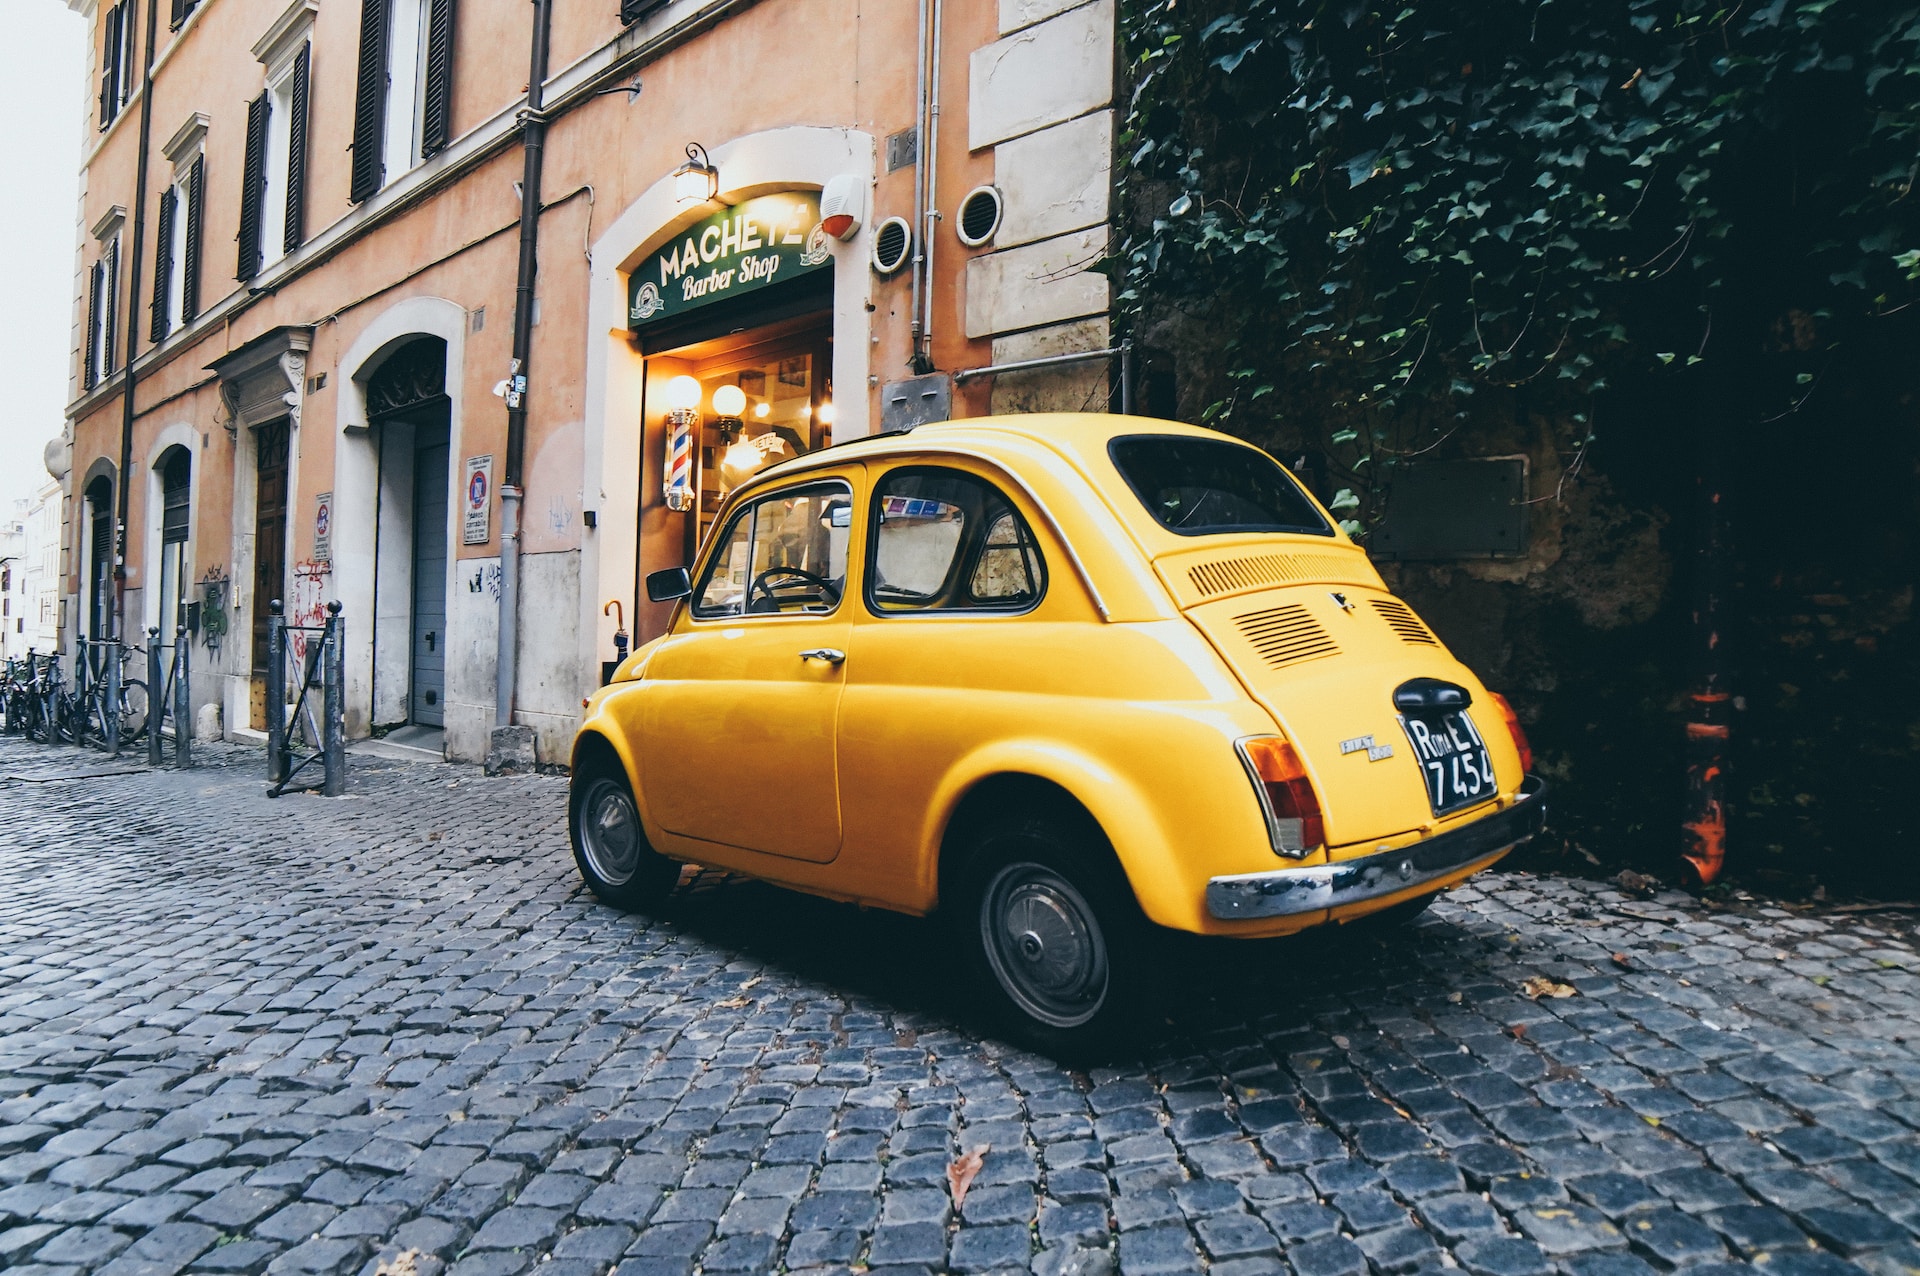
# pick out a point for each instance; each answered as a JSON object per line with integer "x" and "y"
{"x": 1292, "y": 807}
{"x": 1514, "y": 729}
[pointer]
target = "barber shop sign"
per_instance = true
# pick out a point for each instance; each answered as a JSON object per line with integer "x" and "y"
{"x": 738, "y": 250}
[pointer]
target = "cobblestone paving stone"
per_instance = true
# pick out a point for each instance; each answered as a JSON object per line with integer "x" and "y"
{"x": 327, "y": 1035}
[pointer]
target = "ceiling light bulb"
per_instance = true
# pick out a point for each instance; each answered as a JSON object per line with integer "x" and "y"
{"x": 729, "y": 400}
{"x": 683, "y": 392}
{"x": 761, "y": 410}
{"x": 826, "y": 412}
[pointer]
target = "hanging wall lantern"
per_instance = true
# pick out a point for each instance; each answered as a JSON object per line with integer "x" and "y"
{"x": 697, "y": 181}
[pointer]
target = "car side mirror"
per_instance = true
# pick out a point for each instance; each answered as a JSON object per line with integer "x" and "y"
{"x": 668, "y": 585}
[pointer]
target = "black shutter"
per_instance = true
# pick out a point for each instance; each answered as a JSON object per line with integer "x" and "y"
{"x": 436, "y": 115}
{"x": 253, "y": 188}
{"x": 181, "y": 8}
{"x": 190, "y": 259}
{"x": 631, "y": 11}
{"x": 297, "y": 154}
{"x": 89, "y": 372}
{"x": 110, "y": 304}
{"x": 163, "y": 267}
{"x": 110, "y": 67}
{"x": 370, "y": 100}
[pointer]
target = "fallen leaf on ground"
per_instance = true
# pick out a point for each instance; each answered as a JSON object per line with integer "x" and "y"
{"x": 1540, "y": 986}
{"x": 1623, "y": 961}
{"x": 1632, "y": 881}
{"x": 961, "y": 1173}
{"x": 1517, "y": 1031}
{"x": 405, "y": 1263}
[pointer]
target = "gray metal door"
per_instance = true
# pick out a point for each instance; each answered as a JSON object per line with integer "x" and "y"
{"x": 430, "y": 461}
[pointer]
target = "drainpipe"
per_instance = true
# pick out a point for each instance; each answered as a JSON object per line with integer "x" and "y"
{"x": 130, "y": 378}
{"x": 930, "y": 210}
{"x": 917, "y": 361}
{"x": 533, "y": 134}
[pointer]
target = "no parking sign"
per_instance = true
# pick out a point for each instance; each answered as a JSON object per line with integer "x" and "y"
{"x": 477, "y": 507}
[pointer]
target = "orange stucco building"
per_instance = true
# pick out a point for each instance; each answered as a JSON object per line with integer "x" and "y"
{"x": 302, "y": 223}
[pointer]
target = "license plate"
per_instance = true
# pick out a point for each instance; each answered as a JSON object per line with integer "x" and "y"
{"x": 1453, "y": 760}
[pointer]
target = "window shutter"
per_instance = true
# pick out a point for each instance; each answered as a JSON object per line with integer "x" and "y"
{"x": 190, "y": 258}
{"x": 109, "y": 67}
{"x": 110, "y": 304}
{"x": 370, "y": 100}
{"x": 436, "y": 116}
{"x": 253, "y": 188}
{"x": 297, "y": 154}
{"x": 631, "y": 11}
{"x": 89, "y": 372}
{"x": 163, "y": 267}
{"x": 181, "y": 8}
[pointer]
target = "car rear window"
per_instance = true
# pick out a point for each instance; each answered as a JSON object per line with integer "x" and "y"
{"x": 1196, "y": 487}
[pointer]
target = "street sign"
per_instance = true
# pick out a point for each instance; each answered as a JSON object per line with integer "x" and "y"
{"x": 323, "y": 528}
{"x": 476, "y": 508}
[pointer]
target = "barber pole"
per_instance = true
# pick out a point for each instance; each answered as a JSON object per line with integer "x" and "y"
{"x": 678, "y": 484}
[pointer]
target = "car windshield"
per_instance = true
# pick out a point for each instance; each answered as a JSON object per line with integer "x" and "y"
{"x": 1199, "y": 486}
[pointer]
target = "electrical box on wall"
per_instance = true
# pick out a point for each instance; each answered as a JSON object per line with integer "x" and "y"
{"x": 916, "y": 401}
{"x": 1455, "y": 509}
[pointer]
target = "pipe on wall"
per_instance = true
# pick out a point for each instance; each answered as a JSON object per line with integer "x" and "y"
{"x": 533, "y": 130}
{"x": 131, "y": 377}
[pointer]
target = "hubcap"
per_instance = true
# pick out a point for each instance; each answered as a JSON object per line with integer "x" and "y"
{"x": 1044, "y": 944}
{"x": 610, "y": 836}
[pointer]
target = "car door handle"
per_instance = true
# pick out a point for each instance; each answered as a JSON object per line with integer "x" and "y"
{"x": 832, "y": 655}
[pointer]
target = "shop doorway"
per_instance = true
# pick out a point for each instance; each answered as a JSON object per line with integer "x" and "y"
{"x": 763, "y": 395}
{"x": 411, "y": 418}
{"x": 99, "y": 557}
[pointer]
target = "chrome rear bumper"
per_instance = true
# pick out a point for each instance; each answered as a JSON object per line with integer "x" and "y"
{"x": 1287, "y": 891}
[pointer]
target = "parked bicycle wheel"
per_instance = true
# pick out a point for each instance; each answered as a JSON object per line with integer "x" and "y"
{"x": 134, "y": 710}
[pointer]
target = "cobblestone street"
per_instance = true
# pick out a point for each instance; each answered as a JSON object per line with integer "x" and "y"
{"x": 392, "y": 1031}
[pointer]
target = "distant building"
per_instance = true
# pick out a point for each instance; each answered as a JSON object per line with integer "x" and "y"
{"x": 798, "y": 204}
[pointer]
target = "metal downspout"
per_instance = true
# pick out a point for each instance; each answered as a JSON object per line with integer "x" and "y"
{"x": 131, "y": 378}
{"x": 929, "y": 208}
{"x": 533, "y": 128}
{"x": 916, "y": 361}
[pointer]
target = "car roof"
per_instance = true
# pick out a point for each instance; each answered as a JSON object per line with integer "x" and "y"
{"x": 1076, "y": 435}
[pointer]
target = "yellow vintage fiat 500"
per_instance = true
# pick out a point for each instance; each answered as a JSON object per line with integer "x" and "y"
{"x": 1063, "y": 679}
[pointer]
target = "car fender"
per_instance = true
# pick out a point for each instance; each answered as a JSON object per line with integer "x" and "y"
{"x": 1126, "y": 814}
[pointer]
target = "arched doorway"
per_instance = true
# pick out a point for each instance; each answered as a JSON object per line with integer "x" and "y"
{"x": 99, "y": 607}
{"x": 175, "y": 471}
{"x": 409, "y": 414}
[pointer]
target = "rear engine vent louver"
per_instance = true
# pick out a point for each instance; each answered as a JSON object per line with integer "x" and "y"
{"x": 1402, "y": 621}
{"x": 1286, "y": 635}
{"x": 1231, "y": 575}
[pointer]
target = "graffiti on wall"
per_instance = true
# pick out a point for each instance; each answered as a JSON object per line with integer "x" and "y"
{"x": 215, "y": 593}
{"x": 307, "y": 609}
{"x": 484, "y": 578}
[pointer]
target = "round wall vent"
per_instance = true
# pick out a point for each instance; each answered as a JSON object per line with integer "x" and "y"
{"x": 979, "y": 216}
{"x": 892, "y": 244}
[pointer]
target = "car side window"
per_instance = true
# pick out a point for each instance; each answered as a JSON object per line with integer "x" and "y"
{"x": 783, "y": 553}
{"x": 946, "y": 540}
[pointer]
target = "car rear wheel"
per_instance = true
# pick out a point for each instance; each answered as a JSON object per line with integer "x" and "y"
{"x": 610, "y": 846}
{"x": 1052, "y": 933}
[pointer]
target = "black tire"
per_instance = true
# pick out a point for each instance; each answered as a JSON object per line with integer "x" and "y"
{"x": 1055, "y": 943}
{"x": 610, "y": 847}
{"x": 134, "y": 710}
{"x": 34, "y": 721}
{"x": 1394, "y": 916}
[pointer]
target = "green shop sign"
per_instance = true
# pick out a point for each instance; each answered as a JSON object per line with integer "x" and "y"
{"x": 738, "y": 250}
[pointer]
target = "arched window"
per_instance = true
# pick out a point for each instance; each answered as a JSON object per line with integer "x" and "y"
{"x": 176, "y": 486}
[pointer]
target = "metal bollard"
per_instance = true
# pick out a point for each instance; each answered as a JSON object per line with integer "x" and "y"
{"x": 110, "y": 713}
{"x": 156, "y": 699}
{"x": 182, "y": 702}
{"x": 334, "y": 734}
{"x": 276, "y": 694}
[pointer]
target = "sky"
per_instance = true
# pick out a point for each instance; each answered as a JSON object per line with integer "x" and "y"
{"x": 41, "y": 88}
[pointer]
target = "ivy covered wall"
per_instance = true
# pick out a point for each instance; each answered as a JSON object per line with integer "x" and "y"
{"x": 1658, "y": 249}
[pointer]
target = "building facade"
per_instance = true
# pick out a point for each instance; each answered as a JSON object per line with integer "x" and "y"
{"x": 762, "y": 226}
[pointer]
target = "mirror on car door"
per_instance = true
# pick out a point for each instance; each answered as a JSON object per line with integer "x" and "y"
{"x": 669, "y": 584}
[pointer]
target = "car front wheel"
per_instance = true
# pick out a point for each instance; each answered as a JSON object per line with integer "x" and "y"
{"x": 1053, "y": 934}
{"x": 609, "y": 845}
